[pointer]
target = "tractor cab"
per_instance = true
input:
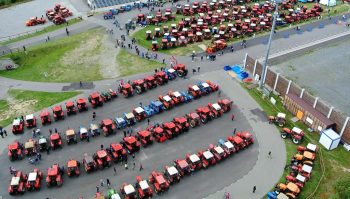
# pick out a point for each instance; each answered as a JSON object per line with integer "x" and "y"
{"x": 117, "y": 152}
{"x": 34, "y": 180}
{"x": 306, "y": 171}
{"x": 71, "y": 137}
{"x": 207, "y": 158}
{"x": 130, "y": 119}
{"x": 83, "y": 133}
{"x": 194, "y": 91}
{"x": 171, "y": 129}
{"x": 159, "y": 182}
{"x": 120, "y": 122}
{"x": 17, "y": 184}
{"x": 81, "y": 104}
{"x": 205, "y": 114}
{"x": 143, "y": 188}
{"x": 155, "y": 45}
{"x": 45, "y": 117}
{"x": 290, "y": 189}
{"x": 167, "y": 101}
{"x": 247, "y": 137}
{"x": 193, "y": 119}
{"x": 150, "y": 82}
{"x": 108, "y": 127}
{"x": 194, "y": 162}
{"x": 30, "y": 147}
{"x": 171, "y": 73}
{"x": 17, "y": 126}
{"x": 43, "y": 143}
{"x": 158, "y": 133}
{"x": 73, "y": 168}
{"x": 106, "y": 96}
{"x": 218, "y": 152}
{"x": 15, "y": 150}
{"x": 237, "y": 141}
{"x": 187, "y": 97}
{"x": 128, "y": 191}
{"x": 216, "y": 109}
{"x": 95, "y": 99}
{"x": 227, "y": 146}
{"x": 172, "y": 174}
{"x": 89, "y": 163}
{"x": 176, "y": 97}
{"x": 102, "y": 159}
{"x": 126, "y": 90}
{"x": 279, "y": 119}
{"x": 213, "y": 87}
{"x": 54, "y": 176}
{"x": 149, "y": 111}
{"x": 58, "y": 113}
{"x": 144, "y": 137}
{"x": 161, "y": 78}
{"x": 139, "y": 86}
{"x": 30, "y": 121}
{"x": 139, "y": 113}
{"x": 157, "y": 106}
{"x": 55, "y": 141}
{"x": 70, "y": 107}
{"x": 181, "y": 123}
{"x": 181, "y": 70}
{"x": 131, "y": 144}
{"x": 296, "y": 134}
{"x": 225, "y": 104}
{"x": 183, "y": 167}
{"x": 204, "y": 87}
{"x": 94, "y": 130}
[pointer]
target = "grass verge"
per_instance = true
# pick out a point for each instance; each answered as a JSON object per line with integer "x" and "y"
{"x": 336, "y": 162}
{"x": 130, "y": 64}
{"x": 24, "y": 102}
{"x": 9, "y": 3}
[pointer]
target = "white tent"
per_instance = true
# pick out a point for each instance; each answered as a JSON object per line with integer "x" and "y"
{"x": 328, "y": 2}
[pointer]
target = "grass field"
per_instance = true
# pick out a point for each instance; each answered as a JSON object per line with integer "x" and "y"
{"x": 8, "y": 3}
{"x": 130, "y": 64}
{"x": 336, "y": 162}
{"x": 24, "y": 102}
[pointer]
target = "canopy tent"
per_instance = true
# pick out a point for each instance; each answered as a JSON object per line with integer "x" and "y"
{"x": 328, "y": 2}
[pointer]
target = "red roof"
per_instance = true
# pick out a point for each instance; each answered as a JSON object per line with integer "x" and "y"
{"x": 144, "y": 133}
{"x": 54, "y": 136}
{"x": 81, "y": 100}
{"x": 116, "y": 147}
{"x": 107, "y": 122}
{"x": 69, "y": 103}
{"x": 95, "y": 94}
{"x": 149, "y": 78}
{"x": 169, "y": 125}
{"x": 72, "y": 163}
{"x": 181, "y": 119}
{"x": 160, "y": 179}
{"x": 139, "y": 81}
{"x": 52, "y": 171}
{"x": 130, "y": 139}
{"x": 57, "y": 108}
{"x": 44, "y": 113}
{"x": 183, "y": 164}
{"x": 237, "y": 140}
{"x": 158, "y": 130}
{"x": 126, "y": 86}
{"x": 101, "y": 153}
{"x": 13, "y": 146}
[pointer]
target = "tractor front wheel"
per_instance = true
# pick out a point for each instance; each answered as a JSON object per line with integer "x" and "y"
{"x": 284, "y": 135}
{"x": 296, "y": 141}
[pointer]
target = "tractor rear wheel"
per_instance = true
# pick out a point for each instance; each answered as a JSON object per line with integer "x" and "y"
{"x": 203, "y": 120}
{"x": 284, "y": 135}
{"x": 296, "y": 141}
{"x": 192, "y": 123}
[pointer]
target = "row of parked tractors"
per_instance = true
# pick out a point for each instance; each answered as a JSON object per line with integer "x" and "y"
{"x": 116, "y": 152}
{"x": 160, "y": 181}
{"x": 97, "y": 99}
{"x": 109, "y": 126}
{"x": 242, "y": 20}
{"x": 58, "y": 14}
{"x": 124, "y": 8}
{"x": 300, "y": 172}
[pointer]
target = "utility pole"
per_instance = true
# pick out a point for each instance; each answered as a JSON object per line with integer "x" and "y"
{"x": 262, "y": 78}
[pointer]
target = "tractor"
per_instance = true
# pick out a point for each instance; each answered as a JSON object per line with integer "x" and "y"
{"x": 128, "y": 191}
{"x": 166, "y": 101}
{"x": 215, "y": 109}
{"x": 55, "y": 141}
{"x": 143, "y": 188}
{"x": 161, "y": 78}
{"x": 207, "y": 158}
{"x": 180, "y": 69}
{"x": 117, "y": 152}
{"x": 71, "y": 137}
{"x": 204, "y": 88}
{"x": 194, "y": 91}
{"x": 176, "y": 97}
{"x": 171, "y": 174}
{"x": 17, "y": 184}
{"x": 279, "y": 119}
{"x": 194, "y": 162}
{"x": 70, "y": 108}
{"x": 157, "y": 106}
{"x": 139, "y": 86}
{"x": 193, "y": 119}
{"x": 181, "y": 123}
{"x": 89, "y": 163}
{"x": 112, "y": 93}
{"x": 43, "y": 145}
{"x": 158, "y": 133}
{"x": 15, "y": 150}
{"x": 296, "y": 134}
{"x": 82, "y": 105}
{"x": 139, "y": 113}
{"x": 218, "y": 152}
{"x": 30, "y": 147}
{"x": 310, "y": 147}
{"x": 45, "y": 117}
{"x": 54, "y": 176}
{"x": 120, "y": 122}
{"x": 129, "y": 119}
{"x": 131, "y": 144}
{"x": 171, "y": 130}
{"x": 34, "y": 180}
{"x": 94, "y": 130}
{"x": 237, "y": 141}
{"x": 159, "y": 182}
{"x": 58, "y": 113}
{"x": 171, "y": 73}
{"x": 103, "y": 159}
{"x": 183, "y": 167}
{"x": 213, "y": 87}
{"x": 205, "y": 114}
{"x": 227, "y": 146}
{"x": 95, "y": 99}
{"x": 73, "y": 168}
{"x": 35, "y": 21}
{"x": 149, "y": 111}
{"x": 108, "y": 15}
{"x": 108, "y": 127}
{"x": 126, "y": 90}
{"x": 225, "y": 104}
{"x": 187, "y": 97}
{"x": 247, "y": 137}
{"x": 30, "y": 121}
{"x": 144, "y": 137}
{"x": 106, "y": 96}
{"x": 17, "y": 126}
{"x": 216, "y": 46}
{"x": 291, "y": 190}
{"x": 83, "y": 133}
{"x": 150, "y": 82}
{"x": 58, "y": 20}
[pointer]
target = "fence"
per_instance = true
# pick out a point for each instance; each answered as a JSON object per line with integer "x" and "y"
{"x": 283, "y": 86}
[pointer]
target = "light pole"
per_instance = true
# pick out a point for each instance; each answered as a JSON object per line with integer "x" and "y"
{"x": 263, "y": 74}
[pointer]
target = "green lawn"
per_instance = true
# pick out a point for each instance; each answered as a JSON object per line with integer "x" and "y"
{"x": 70, "y": 59}
{"x": 130, "y": 64}
{"x": 336, "y": 162}
{"x": 45, "y": 30}
{"x": 24, "y": 102}
{"x": 8, "y": 3}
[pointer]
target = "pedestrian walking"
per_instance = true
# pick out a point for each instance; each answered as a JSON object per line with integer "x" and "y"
{"x": 108, "y": 183}
{"x": 163, "y": 61}
{"x": 67, "y": 31}
{"x": 124, "y": 133}
{"x": 269, "y": 155}
{"x": 48, "y": 38}
{"x": 81, "y": 84}
{"x": 133, "y": 156}
{"x": 202, "y": 58}
{"x": 50, "y": 131}
{"x": 115, "y": 171}
{"x": 234, "y": 131}
{"x": 140, "y": 104}
{"x": 5, "y": 132}
{"x": 148, "y": 121}
{"x": 94, "y": 115}
{"x": 198, "y": 68}
{"x": 2, "y": 134}
{"x": 126, "y": 166}
{"x": 101, "y": 182}
{"x": 232, "y": 117}
{"x": 193, "y": 71}
{"x": 232, "y": 49}
{"x": 24, "y": 48}
{"x": 56, "y": 130}
{"x": 133, "y": 166}
{"x": 254, "y": 189}
{"x": 141, "y": 167}
{"x": 39, "y": 156}
{"x": 101, "y": 146}
{"x": 97, "y": 189}
{"x": 219, "y": 93}
{"x": 88, "y": 137}
{"x": 48, "y": 150}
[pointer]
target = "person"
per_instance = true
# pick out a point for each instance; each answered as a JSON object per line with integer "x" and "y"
{"x": 227, "y": 195}
{"x": 33, "y": 133}
{"x": 24, "y": 48}
{"x": 37, "y": 131}
{"x": 39, "y": 156}
{"x": 56, "y": 130}
{"x": 219, "y": 93}
{"x": 133, "y": 166}
{"x": 254, "y": 189}
{"x": 193, "y": 71}
{"x": 97, "y": 189}
{"x": 126, "y": 166}
{"x": 88, "y": 137}
{"x": 141, "y": 167}
{"x": 163, "y": 61}
{"x": 50, "y": 131}
{"x": 140, "y": 104}
{"x": 101, "y": 146}
{"x": 232, "y": 117}
{"x": 133, "y": 155}
{"x": 94, "y": 115}
{"x": 5, "y": 132}
{"x": 115, "y": 171}
{"x": 108, "y": 183}
{"x": 232, "y": 49}
{"x": 67, "y": 31}
{"x": 101, "y": 182}
{"x": 2, "y": 134}
{"x": 148, "y": 121}
{"x": 48, "y": 38}
{"x": 234, "y": 131}
{"x": 198, "y": 68}
{"x": 47, "y": 150}
{"x": 12, "y": 170}
{"x": 124, "y": 133}
{"x": 81, "y": 84}
{"x": 202, "y": 58}
{"x": 269, "y": 155}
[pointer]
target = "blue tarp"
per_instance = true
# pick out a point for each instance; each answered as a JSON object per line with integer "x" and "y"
{"x": 241, "y": 74}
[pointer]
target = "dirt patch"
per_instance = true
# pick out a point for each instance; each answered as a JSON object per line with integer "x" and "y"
{"x": 17, "y": 108}
{"x": 108, "y": 54}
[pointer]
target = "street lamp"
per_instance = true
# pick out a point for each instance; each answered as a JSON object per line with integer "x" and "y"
{"x": 263, "y": 74}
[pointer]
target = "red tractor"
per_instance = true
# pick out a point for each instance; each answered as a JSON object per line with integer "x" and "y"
{"x": 194, "y": 91}
{"x": 30, "y": 121}
{"x": 215, "y": 109}
{"x": 207, "y": 158}
{"x": 161, "y": 78}
{"x": 296, "y": 134}
{"x": 17, "y": 184}
{"x": 139, "y": 113}
{"x": 183, "y": 167}
{"x": 143, "y": 188}
{"x": 181, "y": 70}
{"x": 55, "y": 141}
{"x": 144, "y": 137}
{"x": 193, "y": 119}
{"x": 108, "y": 127}
{"x": 171, "y": 129}
{"x": 117, "y": 152}
{"x": 181, "y": 123}
{"x": 176, "y": 97}
{"x": 126, "y": 90}
{"x": 150, "y": 82}
{"x": 128, "y": 191}
{"x": 15, "y": 150}
{"x": 45, "y": 117}
{"x": 58, "y": 113}
{"x": 225, "y": 104}
{"x": 205, "y": 114}
{"x": 279, "y": 119}
{"x": 54, "y": 176}
{"x": 89, "y": 163}
{"x": 34, "y": 180}
{"x": 73, "y": 168}
{"x": 218, "y": 152}
{"x": 95, "y": 99}
{"x": 247, "y": 137}
{"x": 139, "y": 85}
{"x": 213, "y": 87}
{"x": 237, "y": 141}
{"x": 167, "y": 101}
{"x": 103, "y": 159}
{"x": 158, "y": 133}
{"x": 82, "y": 105}
{"x": 172, "y": 174}
{"x": 30, "y": 147}
{"x": 194, "y": 162}
{"x": 17, "y": 126}
{"x": 131, "y": 144}
{"x": 70, "y": 108}
{"x": 159, "y": 182}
